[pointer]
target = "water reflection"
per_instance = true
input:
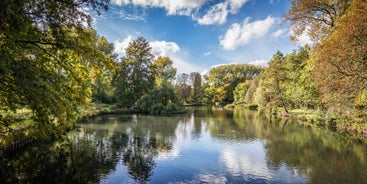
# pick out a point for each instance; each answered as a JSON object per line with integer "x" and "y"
{"x": 203, "y": 146}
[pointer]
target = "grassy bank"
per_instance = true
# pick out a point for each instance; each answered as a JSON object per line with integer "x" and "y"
{"x": 353, "y": 127}
{"x": 20, "y": 130}
{"x": 346, "y": 125}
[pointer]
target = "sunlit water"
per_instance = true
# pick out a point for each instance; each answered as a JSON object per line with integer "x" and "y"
{"x": 203, "y": 146}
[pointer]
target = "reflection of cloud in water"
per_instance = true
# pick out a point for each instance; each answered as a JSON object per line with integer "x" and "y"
{"x": 211, "y": 178}
{"x": 183, "y": 138}
{"x": 250, "y": 159}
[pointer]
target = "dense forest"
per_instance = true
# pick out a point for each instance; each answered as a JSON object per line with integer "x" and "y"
{"x": 53, "y": 65}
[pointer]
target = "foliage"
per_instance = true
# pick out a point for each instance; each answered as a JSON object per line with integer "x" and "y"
{"x": 342, "y": 61}
{"x": 222, "y": 80}
{"x": 102, "y": 89}
{"x": 287, "y": 82}
{"x": 161, "y": 100}
{"x": 240, "y": 92}
{"x": 48, "y": 58}
{"x": 183, "y": 87}
{"x": 197, "y": 91}
{"x": 134, "y": 77}
{"x": 163, "y": 70}
{"x": 317, "y": 18}
{"x": 274, "y": 83}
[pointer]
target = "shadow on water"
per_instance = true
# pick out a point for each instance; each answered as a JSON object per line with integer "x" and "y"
{"x": 203, "y": 146}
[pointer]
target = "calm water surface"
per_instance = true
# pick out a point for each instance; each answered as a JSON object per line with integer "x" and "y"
{"x": 203, "y": 146}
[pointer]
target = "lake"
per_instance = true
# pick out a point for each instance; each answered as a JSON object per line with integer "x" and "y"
{"x": 203, "y": 146}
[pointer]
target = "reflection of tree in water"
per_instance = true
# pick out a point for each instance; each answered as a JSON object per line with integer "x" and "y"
{"x": 321, "y": 155}
{"x": 139, "y": 156}
{"x": 64, "y": 161}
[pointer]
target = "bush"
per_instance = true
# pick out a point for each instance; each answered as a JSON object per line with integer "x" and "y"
{"x": 162, "y": 100}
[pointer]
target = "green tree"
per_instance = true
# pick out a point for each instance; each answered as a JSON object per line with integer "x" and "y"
{"x": 48, "y": 57}
{"x": 134, "y": 77}
{"x": 299, "y": 89}
{"x": 197, "y": 91}
{"x": 240, "y": 92}
{"x": 224, "y": 79}
{"x": 163, "y": 70}
{"x": 162, "y": 99}
{"x": 274, "y": 83}
{"x": 102, "y": 90}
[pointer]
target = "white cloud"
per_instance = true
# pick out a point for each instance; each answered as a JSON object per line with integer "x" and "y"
{"x": 242, "y": 34}
{"x": 121, "y": 45}
{"x": 235, "y": 5}
{"x": 183, "y": 66}
{"x": 216, "y": 15}
{"x": 279, "y": 33}
{"x": 163, "y": 48}
{"x": 244, "y": 160}
{"x": 302, "y": 39}
{"x": 127, "y": 14}
{"x": 159, "y": 48}
{"x": 259, "y": 62}
{"x": 207, "y": 54}
{"x": 173, "y": 7}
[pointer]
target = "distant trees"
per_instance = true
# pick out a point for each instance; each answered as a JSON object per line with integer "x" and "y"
{"x": 183, "y": 87}
{"x": 197, "y": 91}
{"x": 222, "y": 80}
{"x": 240, "y": 92}
{"x": 189, "y": 87}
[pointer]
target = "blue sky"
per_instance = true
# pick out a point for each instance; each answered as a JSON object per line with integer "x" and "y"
{"x": 199, "y": 34}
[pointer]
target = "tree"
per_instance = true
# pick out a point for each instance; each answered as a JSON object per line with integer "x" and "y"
{"x": 134, "y": 77}
{"x": 317, "y": 18}
{"x": 224, "y": 79}
{"x": 299, "y": 89}
{"x": 48, "y": 57}
{"x": 162, "y": 99}
{"x": 196, "y": 87}
{"x": 273, "y": 83}
{"x": 240, "y": 92}
{"x": 163, "y": 70}
{"x": 183, "y": 87}
{"x": 340, "y": 72}
{"x": 102, "y": 90}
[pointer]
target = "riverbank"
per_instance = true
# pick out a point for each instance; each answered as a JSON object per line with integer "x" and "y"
{"x": 352, "y": 127}
{"x": 21, "y": 130}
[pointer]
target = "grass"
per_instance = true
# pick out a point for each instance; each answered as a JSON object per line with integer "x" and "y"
{"x": 356, "y": 128}
{"x": 18, "y": 126}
